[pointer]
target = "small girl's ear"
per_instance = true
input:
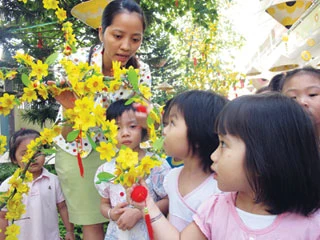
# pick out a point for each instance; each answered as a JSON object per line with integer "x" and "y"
{"x": 100, "y": 34}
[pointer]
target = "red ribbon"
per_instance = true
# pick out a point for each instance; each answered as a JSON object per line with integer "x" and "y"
{"x": 79, "y": 139}
{"x": 139, "y": 194}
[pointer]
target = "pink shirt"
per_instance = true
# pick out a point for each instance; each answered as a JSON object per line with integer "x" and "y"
{"x": 40, "y": 222}
{"x": 217, "y": 219}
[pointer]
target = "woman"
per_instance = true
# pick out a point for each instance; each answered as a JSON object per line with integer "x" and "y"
{"x": 121, "y": 34}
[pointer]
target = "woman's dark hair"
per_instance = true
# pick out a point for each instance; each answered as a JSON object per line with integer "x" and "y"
{"x": 119, "y": 6}
{"x": 200, "y": 109}
{"x": 16, "y": 140}
{"x": 117, "y": 108}
{"x": 282, "y": 160}
{"x": 305, "y": 70}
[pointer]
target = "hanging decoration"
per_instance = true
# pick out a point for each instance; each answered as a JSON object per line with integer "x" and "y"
{"x": 288, "y": 12}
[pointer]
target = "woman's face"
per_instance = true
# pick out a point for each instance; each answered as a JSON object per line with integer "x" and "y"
{"x": 122, "y": 38}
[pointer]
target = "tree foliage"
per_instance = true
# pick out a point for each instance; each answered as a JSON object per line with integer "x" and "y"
{"x": 182, "y": 43}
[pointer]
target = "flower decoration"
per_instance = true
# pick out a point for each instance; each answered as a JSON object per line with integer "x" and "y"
{"x": 129, "y": 168}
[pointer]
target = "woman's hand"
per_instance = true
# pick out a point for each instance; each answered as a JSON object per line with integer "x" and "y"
{"x": 141, "y": 114}
{"x": 66, "y": 98}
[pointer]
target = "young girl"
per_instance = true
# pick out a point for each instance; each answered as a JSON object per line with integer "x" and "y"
{"x": 113, "y": 202}
{"x": 44, "y": 198}
{"x": 268, "y": 165}
{"x": 303, "y": 85}
{"x": 189, "y": 136}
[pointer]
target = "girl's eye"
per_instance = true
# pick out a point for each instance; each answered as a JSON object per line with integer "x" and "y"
{"x": 313, "y": 95}
{"x": 133, "y": 126}
{"x": 117, "y": 36}
{"x": 223, "y": 144}
{"x": 171, "y": 123}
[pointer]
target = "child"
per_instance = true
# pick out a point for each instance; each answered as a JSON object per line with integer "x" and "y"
{"x": 44, "y": 198}
{"x": 268, "y": 165}
{"x": 303, "y": 85}
{"x": 113, "y": 202}
{"x": 189, "y": 136}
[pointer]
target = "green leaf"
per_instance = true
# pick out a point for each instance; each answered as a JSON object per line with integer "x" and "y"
{"x": 17, "y": 101}
{"x": 150, "y": 121}
{"x": 105, "y": 177}
{"x": 129, "y": 101}
{"x": 157, "y": 145}
{"x": 52, "y": 58}
{"x": 93, "y": 144}
{"x": 25, "y": 79}
{"x": 72, "y": 135}
{"x": 133, "y": 79}
{"x": 48, "y": 151}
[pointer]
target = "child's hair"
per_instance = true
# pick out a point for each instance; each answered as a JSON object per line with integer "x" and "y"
{"x": 275, "y": 82}
{"x": 166, "y": 110}
{"x": 263, "y": 89}
{"x": 16, "y": 140}
{"x": 117, "y": 108}
{"x": 305, "y": 70}
{"x": 282, "y": 161}
{"x": 200, "y": 109}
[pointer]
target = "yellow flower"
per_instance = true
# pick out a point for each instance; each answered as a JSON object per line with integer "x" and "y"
{"x": 147, "y": 163}
{"x": 7, "y": 101}
{"x": 106, "y": 151}
{"x": 56, "y": 129}
{"x": 24, "y": 58}
{"x": 39, "y": 70}
{"x": 23, "y": 188}
{"x": 84, "y": 121}
{"x": 42, "y": 91}
{"x": 145, "y": 91}
{"x": 15, "y": 182}
{"x": 116, "y": 68}
{"x": 3, "y": 143}
{"x": 95, "y": 83}
{"x": 100, "y": 114}
{"x": 29, "y": 94}
{"x": 1, "y": 76}
{"x": 50, "y": 4}
{"x": 28, "y": 177}
{"x": 11, "y": 75}
{"x": 24, "y": 1}
{"x": 61, "y": 14}
{"x": 127, "y": 158}
{"x": 47, "y": 135}
{"x": 12, "y": 230}
{"x": 114, "y": 85}
{"x": 130, "y": 177}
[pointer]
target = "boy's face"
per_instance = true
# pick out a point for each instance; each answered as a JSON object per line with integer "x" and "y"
{"x": 129, "y": 132}
{"x": 35, "y": 167}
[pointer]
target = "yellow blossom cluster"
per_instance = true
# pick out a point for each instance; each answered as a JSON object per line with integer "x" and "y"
{"x": 129, "y": 168}
{"x": 3, "y": 143}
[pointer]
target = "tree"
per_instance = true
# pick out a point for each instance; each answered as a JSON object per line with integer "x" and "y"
{"x": 182, "y": 43}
